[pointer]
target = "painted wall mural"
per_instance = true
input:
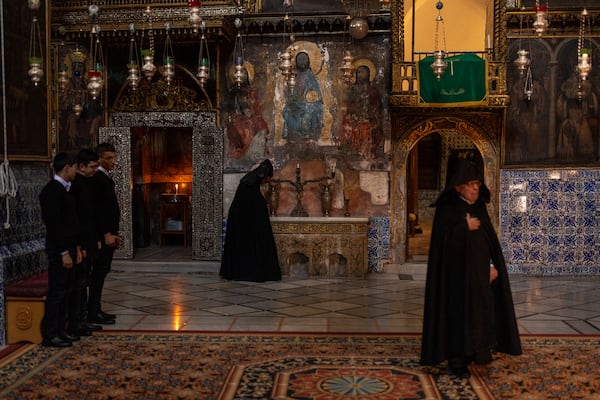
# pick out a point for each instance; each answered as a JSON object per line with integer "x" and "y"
{"x": 266, "y": 117}
{"x": 554, "y": 116}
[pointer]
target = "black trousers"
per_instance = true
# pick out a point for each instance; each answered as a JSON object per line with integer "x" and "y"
{"x": 60, "y": 285}
{"x": 100, "y": 268}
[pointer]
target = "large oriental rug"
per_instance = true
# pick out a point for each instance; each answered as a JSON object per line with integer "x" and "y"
{"x": 290, "y": 366}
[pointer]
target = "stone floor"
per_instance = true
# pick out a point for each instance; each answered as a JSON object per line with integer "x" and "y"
{"x": 184, "y": 295}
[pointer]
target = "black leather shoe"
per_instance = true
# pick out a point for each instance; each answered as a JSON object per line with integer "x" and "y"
{"x": 107, "y": 315}
{"x": 91, "y": 327}
{"x": 81, "y": 331}
{"x": 461, "y": 372}
{"x": 69, "y": 337}
{"x": 56, "y": 342}
{"x": 99, "y": 319}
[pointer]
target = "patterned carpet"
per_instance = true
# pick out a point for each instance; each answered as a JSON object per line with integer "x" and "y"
{"x": 289, "y": 366}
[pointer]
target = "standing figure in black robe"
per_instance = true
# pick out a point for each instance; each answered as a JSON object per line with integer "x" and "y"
{"x": 250, "y": 253}
{"x": 469, "y": 311}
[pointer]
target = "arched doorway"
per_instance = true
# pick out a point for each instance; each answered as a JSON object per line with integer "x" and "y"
{"x": 480, "y": 126}
{"x": 427, "y": 173}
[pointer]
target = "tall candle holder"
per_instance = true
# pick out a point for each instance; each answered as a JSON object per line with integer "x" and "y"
{"x": 299, "y": 185}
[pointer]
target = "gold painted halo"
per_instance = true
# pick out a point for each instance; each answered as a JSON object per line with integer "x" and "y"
{"x": 313, "y": 51}
{"x": 249, "y": 67}
{"x": 367, "y": 63}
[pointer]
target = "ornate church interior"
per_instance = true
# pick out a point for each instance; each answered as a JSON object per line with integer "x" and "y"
{"x": 359, "y": 105}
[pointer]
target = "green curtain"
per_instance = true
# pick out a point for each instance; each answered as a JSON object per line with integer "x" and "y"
{"x": 464, "y": 82}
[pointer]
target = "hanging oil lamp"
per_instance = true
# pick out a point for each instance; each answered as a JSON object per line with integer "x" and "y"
{"x": 203, "y": 59}
{"x": 541, "y": 18}
{"x": 168, "y": 69}
{"x": 195, "y": 19}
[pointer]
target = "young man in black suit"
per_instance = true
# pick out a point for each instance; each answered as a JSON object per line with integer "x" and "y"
{"x": 106, "y": 217}
{"x": 82, "y": 190}
{"x": 62, "y": 248}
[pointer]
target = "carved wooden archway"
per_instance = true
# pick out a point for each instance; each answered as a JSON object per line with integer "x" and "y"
{"x": 482, "y": 127}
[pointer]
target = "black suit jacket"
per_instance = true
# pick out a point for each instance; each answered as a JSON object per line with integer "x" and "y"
{"x": 106, "y": 205}
{"x": 83, "y": 190}
{"x": 60, "y": 217}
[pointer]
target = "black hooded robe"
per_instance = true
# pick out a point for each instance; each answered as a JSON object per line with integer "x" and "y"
{"x": 466, "y": 317}
{"x": 250, "y": 253}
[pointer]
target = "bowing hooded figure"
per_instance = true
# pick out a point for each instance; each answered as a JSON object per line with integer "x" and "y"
{"x": 469, "y": 312}
{"x": 250, "y": 253}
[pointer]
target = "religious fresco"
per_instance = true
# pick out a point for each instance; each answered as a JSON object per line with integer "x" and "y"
{"x": 265, "y": 117}
{"x": 554, "y": 115}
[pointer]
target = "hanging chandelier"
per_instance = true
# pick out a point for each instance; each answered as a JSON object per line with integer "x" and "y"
{"x": 439, "y": 55}
{"x": 133, "y": 64}
{"x": 584, "y": 51}
{"x": 203, "y": 59}
{"x": 541, "y": 18}
{"x": 36, "y": 59}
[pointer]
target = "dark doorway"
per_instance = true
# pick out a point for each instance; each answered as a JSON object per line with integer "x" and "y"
{"x": 161, "y": 159}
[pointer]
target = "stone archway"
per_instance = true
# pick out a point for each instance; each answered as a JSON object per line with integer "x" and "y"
{"x": 479, "y": 127}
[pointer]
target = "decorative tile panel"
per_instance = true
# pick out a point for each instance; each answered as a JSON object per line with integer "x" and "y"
{"x": 550, "y": 221}
{"x": 378, "y": 244}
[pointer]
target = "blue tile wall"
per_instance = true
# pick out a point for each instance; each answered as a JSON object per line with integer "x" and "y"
{"x": 378, "y": 244}
{"x": 550, "y": 221}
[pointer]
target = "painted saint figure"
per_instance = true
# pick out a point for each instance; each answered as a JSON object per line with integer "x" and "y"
{"x": 303, "y": 110}
{"x": 578, "y": 107}
{"x": 361, "y": 128}
{"x": 247, "y": 131}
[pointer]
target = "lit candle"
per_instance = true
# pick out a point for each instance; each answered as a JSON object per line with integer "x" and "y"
{"x": 298, "y": 166}
{"x": 176, "y": 188}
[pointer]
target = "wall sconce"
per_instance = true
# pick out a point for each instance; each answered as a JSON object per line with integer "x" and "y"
{"x": 203, "y": 59}
{"x": 584, "y": 53}
{"x": 439, "y": 55}
{"x": 133, "y": 66}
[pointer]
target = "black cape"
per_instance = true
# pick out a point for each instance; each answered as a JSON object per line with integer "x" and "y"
{"x": 464, "y": 315}
{"x": 250, "y": 253}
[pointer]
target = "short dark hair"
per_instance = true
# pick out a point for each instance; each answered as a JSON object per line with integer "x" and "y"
{"x": 105, "y": 147}
{"x": 86, "y": 156}
{"x": 61, "y": 160}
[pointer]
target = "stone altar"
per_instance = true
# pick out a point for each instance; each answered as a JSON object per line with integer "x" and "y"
{"x": 321, "y": 246}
